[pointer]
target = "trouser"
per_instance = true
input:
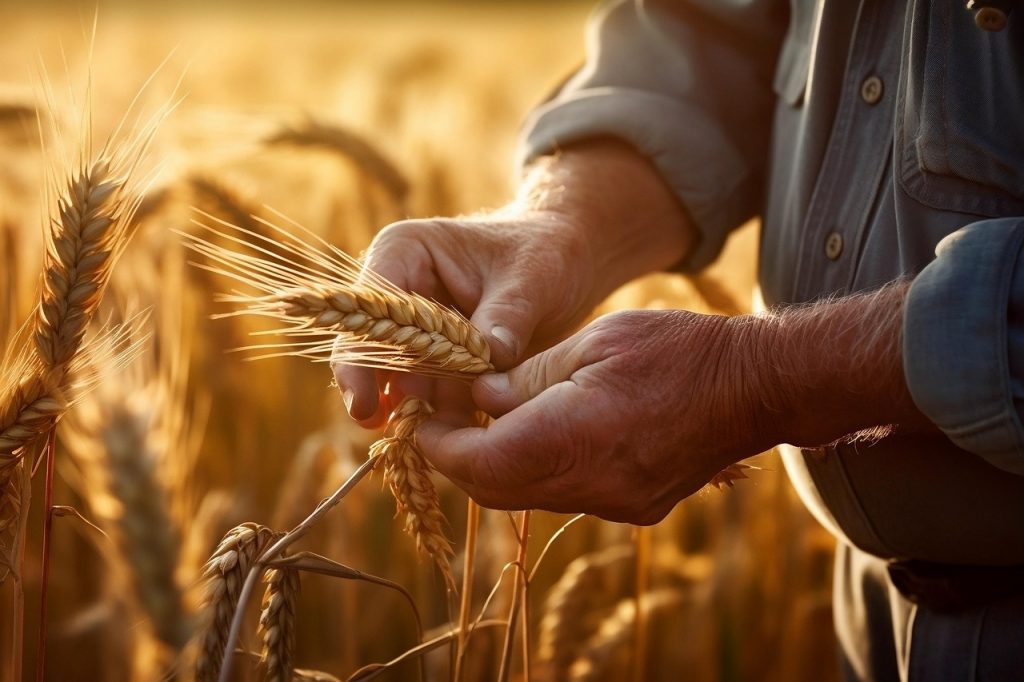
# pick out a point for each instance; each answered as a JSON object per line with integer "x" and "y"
{"x": 885, "y": 638}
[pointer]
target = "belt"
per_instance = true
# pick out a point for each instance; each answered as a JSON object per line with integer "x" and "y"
{"x": 950, "y": 588}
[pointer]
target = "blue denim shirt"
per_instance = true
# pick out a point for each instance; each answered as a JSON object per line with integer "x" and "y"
{"x": 877, "y": 140}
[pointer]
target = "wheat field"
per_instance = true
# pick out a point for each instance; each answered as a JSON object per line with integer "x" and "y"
{"x": 179, "y": 463}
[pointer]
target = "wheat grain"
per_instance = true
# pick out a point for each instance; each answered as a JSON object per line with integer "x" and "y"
{"x": 224, "y": 574}
{"x": 407, "y": 473}
{"x": 277, "y": 623}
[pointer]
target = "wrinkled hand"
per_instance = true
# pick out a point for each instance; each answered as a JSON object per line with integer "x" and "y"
{"x": 524, "y": 276}
{"x": 622, "y": 420}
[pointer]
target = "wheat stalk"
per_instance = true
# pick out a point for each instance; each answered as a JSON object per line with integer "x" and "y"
{"x": 277, "y": 623}
{"x": 407, "y": 473}
{"x": 224, "y": 574}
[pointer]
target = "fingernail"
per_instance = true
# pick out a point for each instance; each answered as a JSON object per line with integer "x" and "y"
{"x": 495, "y": 383}
{"x": 347, "y": 396}
{"x": 505, "y": 337}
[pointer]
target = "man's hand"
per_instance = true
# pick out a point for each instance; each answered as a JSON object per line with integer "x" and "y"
{"x": 642, "y": 408}
{"x": 527, "y": 275}
{"x": 622, "y": 420}
{"x": 523, "y": 276}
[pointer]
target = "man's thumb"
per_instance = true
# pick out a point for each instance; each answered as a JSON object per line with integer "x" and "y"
{"x": 499, "y": 393}
{"x": 508, "y": 323}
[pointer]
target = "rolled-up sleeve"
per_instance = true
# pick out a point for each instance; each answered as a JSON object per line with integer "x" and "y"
{"x": 964, "y": 340}
{"x": 688, "y": 85}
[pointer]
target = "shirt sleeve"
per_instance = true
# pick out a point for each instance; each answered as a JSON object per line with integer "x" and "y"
{"x": 689, "y": 85}
{"x": 963, "y": 348}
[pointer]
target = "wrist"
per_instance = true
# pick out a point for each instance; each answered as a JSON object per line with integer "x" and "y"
{"x": 628, "y": 218}
{"x": 829, "y": 370}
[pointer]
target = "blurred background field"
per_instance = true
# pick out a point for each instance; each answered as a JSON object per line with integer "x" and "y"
{"x": 192, "y": 441}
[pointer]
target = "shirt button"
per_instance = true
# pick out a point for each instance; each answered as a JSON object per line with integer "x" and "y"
{"x": 833, "y": 245}
{"x": 871, "y": 89}
{"x": 990, "y": 19}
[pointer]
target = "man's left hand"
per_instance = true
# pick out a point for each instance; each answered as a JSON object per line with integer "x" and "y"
{"x": 622, "y": 420}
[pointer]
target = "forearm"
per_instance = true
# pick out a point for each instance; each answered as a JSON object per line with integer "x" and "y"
{"x": 629, "y": 221}
{"x": 829, "y": 370}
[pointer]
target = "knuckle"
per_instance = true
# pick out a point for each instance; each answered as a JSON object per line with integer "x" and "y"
{"x": 397, "y": 238}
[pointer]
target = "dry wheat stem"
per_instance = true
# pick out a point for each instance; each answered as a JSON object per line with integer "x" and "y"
{"x": 331, "y": 308}
{"x": 314, "y": 563}
{"x": 277, "y": 623}
{"x": 369, "y": 672}
{"x": 274, "y": 551}
{"x": 407, "y": 474}
{"x": 520, "y": 597}
{"x": 468, "y": 565}
{"x": 224, "y": 575}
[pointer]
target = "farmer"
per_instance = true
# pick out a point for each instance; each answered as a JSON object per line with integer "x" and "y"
{"x": 882, "y": 144}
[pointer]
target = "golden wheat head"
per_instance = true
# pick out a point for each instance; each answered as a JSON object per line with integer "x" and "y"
{"x": 407, "y": 473}
{"x": 331, "y": 308}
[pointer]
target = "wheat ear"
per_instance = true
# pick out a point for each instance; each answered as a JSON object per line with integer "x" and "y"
{"x": 90, "y": 230}
{"x": 120, "y": 442}
{"x": 36, "y": 398}
{"x": 277, "y": 623}
{"x": 407, "y": 473}
{"x": 90, "y": 227}
{"x": 224, "y": 574}
{"x": 332, "y": 308}
{"x": 568, "y": 617}
{"x": 330, "y": 137}
{"x": 598, "y": 660}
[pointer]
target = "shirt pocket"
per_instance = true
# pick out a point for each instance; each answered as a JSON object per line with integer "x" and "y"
{"x": 794, "y": 63}
{"x": 960, "y": 112}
